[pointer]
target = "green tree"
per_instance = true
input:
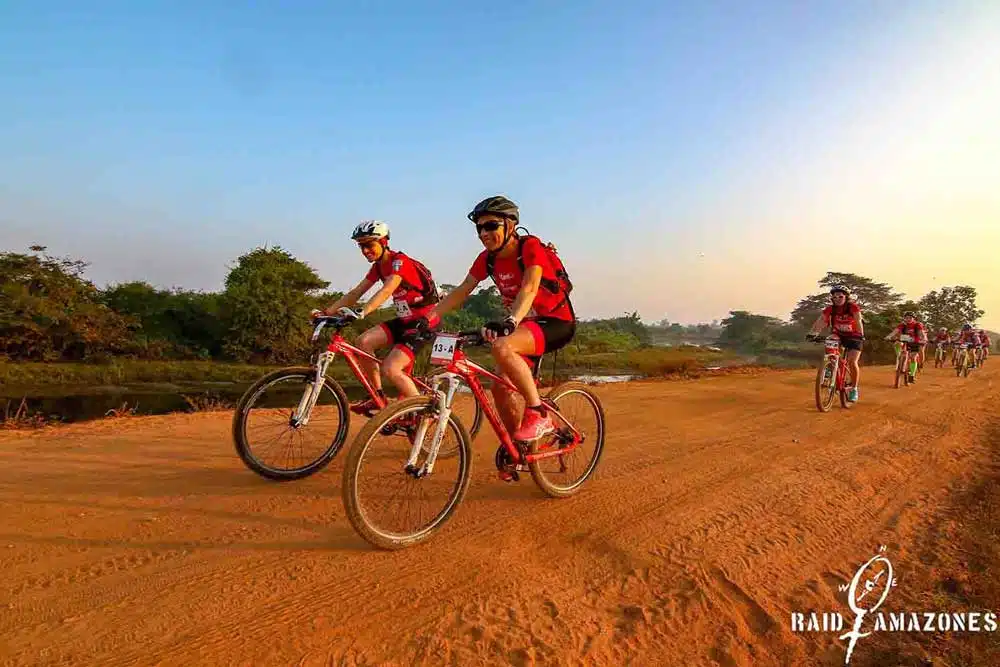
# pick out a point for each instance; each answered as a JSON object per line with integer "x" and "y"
{"x": 749, "y": 331}
{"x": 951, "y": 307}
{"x": 48, "y": 311}
{"x": 266, "y": 303}
{"x": 868, "y": 294}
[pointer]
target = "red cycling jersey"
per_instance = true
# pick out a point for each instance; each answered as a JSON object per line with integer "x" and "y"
{"x": 916, "y": 331}
{"x": 508, "y": 277}
{"x": 843, "y": 321}
{"x": 969, "y": 337}
{"x": 412, "y": 297}
{"x": 943, "y": 338}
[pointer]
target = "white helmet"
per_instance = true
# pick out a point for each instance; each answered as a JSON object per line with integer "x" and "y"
{"x": 371, "y": 229}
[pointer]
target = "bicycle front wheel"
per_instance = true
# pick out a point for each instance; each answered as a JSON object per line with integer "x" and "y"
{"x": 377, "y": 485}
{"x": 826, "y": 384}
{"x": 268, "y": 438}
{"x": 563, "y": 475}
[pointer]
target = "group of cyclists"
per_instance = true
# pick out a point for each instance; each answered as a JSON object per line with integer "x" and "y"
{"x": 534, "y": 289}
{"x": 843, "y": 316}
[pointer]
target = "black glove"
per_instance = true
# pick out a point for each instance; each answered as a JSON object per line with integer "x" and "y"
{"x": 501, "y": 329}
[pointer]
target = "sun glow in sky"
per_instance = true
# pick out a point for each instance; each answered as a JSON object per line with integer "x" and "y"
{"x": 686, "y": 161}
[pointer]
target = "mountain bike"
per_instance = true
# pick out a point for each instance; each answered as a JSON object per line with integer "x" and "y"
{"x": 431, "y": 416}
{"x": 903, "y": 361}
{"x": 940, "y": 353}
{"x": 311, "y": 395}
{"x": 831, "y": 377}
{"x": 962, "y": 366}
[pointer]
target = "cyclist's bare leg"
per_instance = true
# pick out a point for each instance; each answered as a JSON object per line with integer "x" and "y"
{"x": 394, "y": 370}
{"x": 854, "y": 367}
{"x": 507, "y": 352}
{"x": 507, "y": 406}
{"x": 371, "y": 340}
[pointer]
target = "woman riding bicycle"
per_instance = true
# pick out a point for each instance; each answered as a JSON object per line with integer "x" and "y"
{"x": 844, "y": 317}
{"x": 413, "y": 291}
{"x": 917, "y": 335}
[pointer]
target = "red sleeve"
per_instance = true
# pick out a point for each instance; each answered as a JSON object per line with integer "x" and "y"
{"x": 478, "y": 270}
{"x": 855, "y": 308}
{"x": 826, "y": 313}
{"x": 532, "y": 253}
{"x": 372, "y": 274}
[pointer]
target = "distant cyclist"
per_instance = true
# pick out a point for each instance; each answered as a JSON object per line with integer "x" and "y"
{"x": 843, "y": 316}
{"x": 984, "y": 339}
{"x": 942, "y": 342}
{"x": 918, "y": 340}
{"x": 970, "y": 337}
{"x": 413, "y": 291}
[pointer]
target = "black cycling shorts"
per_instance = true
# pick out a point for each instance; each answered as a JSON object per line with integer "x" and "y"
{"x": 550, "y": 335}
{"x": 395, "y": 331}
{"x": 852, "y": 343}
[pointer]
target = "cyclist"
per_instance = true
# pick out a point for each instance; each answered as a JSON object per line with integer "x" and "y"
{"x": 540, "y": 316}
{"x": 970, "y": 338}
{"x": 413, "y": 291}
{"x": 984, "y": 339}
{"x": 843, "y": 316}
{"x": 942, "y": 341}
{"x": 918, "y": 340}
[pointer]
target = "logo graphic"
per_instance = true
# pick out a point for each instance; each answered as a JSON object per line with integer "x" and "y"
{"x": 867, "y": 593}
{"x": 881, "y": 579}
{"x": 397, "y": 264}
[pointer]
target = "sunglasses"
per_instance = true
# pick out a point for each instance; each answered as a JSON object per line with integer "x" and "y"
{"x": 490, "y": 226}
{"x": 368, "y": 245}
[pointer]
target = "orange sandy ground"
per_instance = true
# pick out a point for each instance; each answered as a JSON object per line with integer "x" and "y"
{"x": 720, "y": 506}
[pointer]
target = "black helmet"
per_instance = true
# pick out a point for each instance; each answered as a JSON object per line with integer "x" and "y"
{"x": 498, "y": 205}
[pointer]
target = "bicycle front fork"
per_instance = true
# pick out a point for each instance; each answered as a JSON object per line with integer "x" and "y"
{"x": 444, "y": 400}
{"x": 312, "y": 391}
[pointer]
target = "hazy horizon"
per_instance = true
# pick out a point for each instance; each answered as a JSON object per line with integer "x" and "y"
{"x": 687, "y": 161}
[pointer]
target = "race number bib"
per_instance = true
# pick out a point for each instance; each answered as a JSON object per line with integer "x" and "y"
{"x": 403, "y": 309}
{"x": 443, "y": 350}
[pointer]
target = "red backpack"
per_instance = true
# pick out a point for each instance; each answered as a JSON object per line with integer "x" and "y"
{"x": 561, "y": 284}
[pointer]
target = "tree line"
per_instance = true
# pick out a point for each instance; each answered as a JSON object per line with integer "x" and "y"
{"x": 50, "y": 312}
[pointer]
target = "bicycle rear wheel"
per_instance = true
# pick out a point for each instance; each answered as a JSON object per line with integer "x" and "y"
{"x": 407, "y": 415}
{"x": 552, "y": 474}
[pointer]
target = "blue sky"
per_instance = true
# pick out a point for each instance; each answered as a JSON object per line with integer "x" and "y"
{"x": 687, "y": 158}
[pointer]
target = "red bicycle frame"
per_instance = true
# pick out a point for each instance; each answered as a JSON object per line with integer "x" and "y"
{"x": 339, "y": 345}
{"x": 841, "y": 375}
{"x": 470, "y": 372}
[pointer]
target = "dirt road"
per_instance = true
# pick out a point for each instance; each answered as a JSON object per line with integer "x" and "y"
{"x": 721, "y": 506}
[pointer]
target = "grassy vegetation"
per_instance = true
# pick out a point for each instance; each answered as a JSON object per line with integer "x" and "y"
{"x": 651, "y": 361}
{"x": 124, "y": 371}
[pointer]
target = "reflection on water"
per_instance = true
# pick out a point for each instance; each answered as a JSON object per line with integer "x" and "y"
{"x": 85, "y": 403}
{"x": 73, "y": 404}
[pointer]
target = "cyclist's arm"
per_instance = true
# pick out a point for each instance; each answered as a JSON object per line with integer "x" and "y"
{"x": 859, "y": 321}
{"x": 526, "y": 296}
{"x": 454, "y": 298}
{"x": 351, "y": 297}
{"x": 390, "y": 286}
{"x": 818, "y": 324}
